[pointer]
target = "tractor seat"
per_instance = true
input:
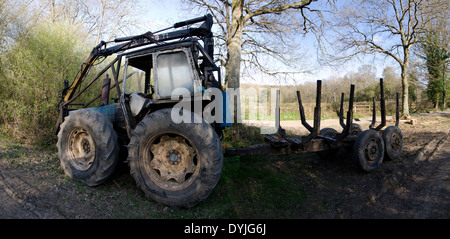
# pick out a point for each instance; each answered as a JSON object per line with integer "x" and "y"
{"x": 138, "y": 102}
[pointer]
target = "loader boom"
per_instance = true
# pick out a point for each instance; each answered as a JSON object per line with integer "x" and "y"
{"x": 204, "y": 32}
{"x": 101, "y": 50}
{"x": 82, "y": 73}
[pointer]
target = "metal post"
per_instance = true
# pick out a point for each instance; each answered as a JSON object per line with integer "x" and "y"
{"x": 341, "y": 112}
{"x": 383, "y": 106}
{"x": 350, "y": 109}
{"x": 348, "y": 126}
{"x": 277, "y": 109}
{"x": 317, "y": 109}
{"x": 302, "y": 113}
{"x": 116, "y": 75}
{"x": 374, "y": 115}
{"x": 397, "y": 115}
{"x": 280, "y": 130}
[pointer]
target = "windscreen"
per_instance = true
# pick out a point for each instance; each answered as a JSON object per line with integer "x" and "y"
{"x": 173, "y": 71}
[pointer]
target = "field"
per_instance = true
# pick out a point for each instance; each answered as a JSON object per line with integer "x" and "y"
{"x": 33, "y": 185}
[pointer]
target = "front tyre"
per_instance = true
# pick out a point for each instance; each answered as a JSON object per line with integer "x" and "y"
{"x": 87, "y": 147}
{"x": 175, "y": 164}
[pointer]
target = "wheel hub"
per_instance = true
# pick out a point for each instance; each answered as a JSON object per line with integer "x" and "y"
{"x": 174, "y": 157}
{"x": 81, "y": 149}
{"x": 372, "y": 150}
{"x": 396, "y": 142}
{"x": 174, "y": 162}
{"x": 86, "y": 146}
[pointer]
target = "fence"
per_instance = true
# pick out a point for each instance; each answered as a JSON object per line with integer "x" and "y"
{"x": 290, "y": 110}
{"x": 331, "y": 110}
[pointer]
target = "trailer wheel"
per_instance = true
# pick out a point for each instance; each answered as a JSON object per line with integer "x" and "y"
{"x": 87, "y": 147}
{"x": 356, "y": 129}
{"x": 175, "y": 164}
{"x": 330, "y": 153}
{"x": 368, "y": 150}
{"x": 393, "y": 141}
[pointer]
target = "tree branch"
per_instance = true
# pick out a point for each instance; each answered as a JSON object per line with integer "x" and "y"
{"x": 277, "y": 10}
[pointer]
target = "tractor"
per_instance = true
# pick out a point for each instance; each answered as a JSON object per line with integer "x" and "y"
{"x": 174, "y": 154}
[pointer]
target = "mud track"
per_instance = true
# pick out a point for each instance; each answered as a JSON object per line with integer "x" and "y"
{"x": 32, "y": 184}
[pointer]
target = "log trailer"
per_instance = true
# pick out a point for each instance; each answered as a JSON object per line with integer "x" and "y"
{"x": 370, "y": 146}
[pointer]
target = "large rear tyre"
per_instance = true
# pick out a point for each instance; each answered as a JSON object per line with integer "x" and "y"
{"x": 368, "y": 150}
{"x": 87, "y": 147}
{"x": 175, "y": 164}
{"x": 393, "y": 141}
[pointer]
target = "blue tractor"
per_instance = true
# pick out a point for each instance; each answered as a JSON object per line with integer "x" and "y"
{"x": 166, "y": 81}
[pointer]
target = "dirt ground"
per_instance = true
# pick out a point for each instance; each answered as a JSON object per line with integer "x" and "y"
{"x": 32, "y": 184}
{"x": 416, "y": 186}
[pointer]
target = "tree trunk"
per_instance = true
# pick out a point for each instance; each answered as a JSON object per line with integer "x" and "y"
{"x": 234, "y": 45}
{"x": 444, "y": 92}
{"x": 405, "y": 85}
{"x": 405, "y": 93}
{"x": 436, "y": 102}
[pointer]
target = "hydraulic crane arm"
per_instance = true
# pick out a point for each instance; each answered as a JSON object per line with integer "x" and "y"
{"x": 83, "y": 71}
{"x": 204, "y": 31}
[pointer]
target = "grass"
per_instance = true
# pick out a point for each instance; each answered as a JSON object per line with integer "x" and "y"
{"x": 240, "y": 135}
{"x": 289, "y": 116}
{"x": 250, "y": 187}
{"x": 257, "y": 189}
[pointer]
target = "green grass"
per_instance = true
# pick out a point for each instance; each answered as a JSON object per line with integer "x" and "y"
{"x": 240, "y": 135}
{"x": 255, "y": 188}
{"x": 290, "y": 116}
{"x": 249, "y": 187}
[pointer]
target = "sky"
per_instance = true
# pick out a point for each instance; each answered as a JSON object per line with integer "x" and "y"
{"x": 161, "y": 14}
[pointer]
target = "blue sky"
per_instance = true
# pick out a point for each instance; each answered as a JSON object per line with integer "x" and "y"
{"x": 161, "y": 14}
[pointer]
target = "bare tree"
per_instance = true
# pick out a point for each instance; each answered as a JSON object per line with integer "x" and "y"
{"x": 11, "y": 21}
{"x": 113, "y": 17}
{"x": 103, "y": 19}
{"x": 256, "y": 32}
{"x": 389, "y": 28}
{"x": 5, "y": 19}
